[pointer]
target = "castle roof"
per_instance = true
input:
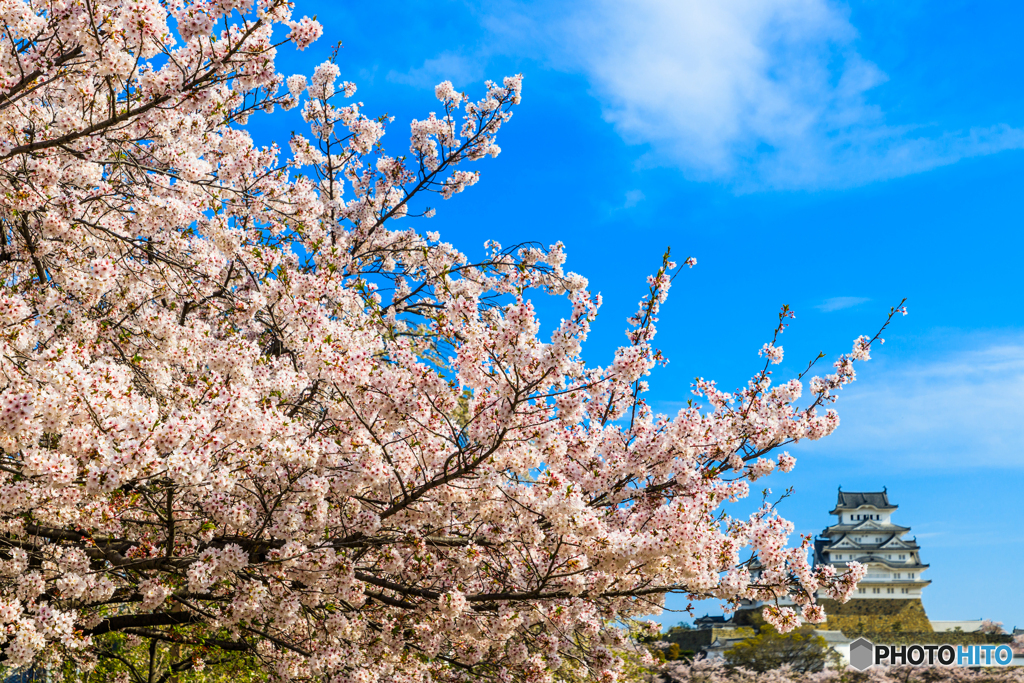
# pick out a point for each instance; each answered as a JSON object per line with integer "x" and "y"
{"x": 871, "y": 559}
{"x": 819, "y": 558}
{"x": 851, "y": 500}
{"x": 885, "y": 544}
{"x": 866, "y": 526}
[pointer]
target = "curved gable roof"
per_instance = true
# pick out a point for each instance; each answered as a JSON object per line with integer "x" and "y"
{"x": 851, "y": 500}
{"x": 857, "y": 528}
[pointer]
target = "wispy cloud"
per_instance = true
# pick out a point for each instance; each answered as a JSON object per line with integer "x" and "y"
{"x": 633, "y": 197}
{"x": 838, "y": 303}
{"x": 462, "y": 70}
{"x": 757, "y": 94}
{"x": 965, "y": 410}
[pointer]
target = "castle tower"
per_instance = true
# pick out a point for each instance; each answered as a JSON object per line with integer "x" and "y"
{"x": 864, "y": 533}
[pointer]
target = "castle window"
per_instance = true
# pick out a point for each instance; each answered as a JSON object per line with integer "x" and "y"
{"x": 890, "y": 590}
{"x": 860, "y": 590}
{"x": 876, "y": 590}
{"x": 905, "y": 590}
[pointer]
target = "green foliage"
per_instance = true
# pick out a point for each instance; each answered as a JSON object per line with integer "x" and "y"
{"x": 129, "y": 658}
{"x": 800, "y": 649}
{"x": 673, "y": 653}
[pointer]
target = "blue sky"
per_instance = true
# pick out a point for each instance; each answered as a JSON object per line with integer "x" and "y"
{"x": 834, "y": 157}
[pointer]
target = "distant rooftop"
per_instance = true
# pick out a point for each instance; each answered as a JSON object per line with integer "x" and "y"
{"x": 706, "y": 620}
{"x": 851, "y": 500}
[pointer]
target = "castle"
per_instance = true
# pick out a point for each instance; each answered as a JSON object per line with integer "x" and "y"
{"x": 864, "y": 532}
{"x": 886, "y": 606}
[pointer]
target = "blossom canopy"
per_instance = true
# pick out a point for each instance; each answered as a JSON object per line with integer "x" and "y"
{"x": 244, "y": 410}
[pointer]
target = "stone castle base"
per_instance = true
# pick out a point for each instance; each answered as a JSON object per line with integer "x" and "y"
{"x": 860, "y": 615}
{"x": 866, "y": 614}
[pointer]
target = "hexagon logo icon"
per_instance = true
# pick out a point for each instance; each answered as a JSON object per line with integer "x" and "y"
{"x": 862, "y": 654}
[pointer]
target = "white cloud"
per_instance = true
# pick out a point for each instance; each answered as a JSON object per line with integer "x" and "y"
{"x": 461, "y": 70}
{"x": 962, "y": 411}
{"x": 838, "y": 303}
{"x": 633, "y": 197}
{"x": 753, "y": 93}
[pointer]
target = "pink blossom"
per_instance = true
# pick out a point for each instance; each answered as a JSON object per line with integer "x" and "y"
{"x": 787, "y": 462}
{"x": 304, "y": 32}
{"x": 772, "y": 353}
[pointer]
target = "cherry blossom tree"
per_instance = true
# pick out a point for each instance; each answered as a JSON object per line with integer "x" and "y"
{"x": 989, "y": 626}
{"x": 249, "y": 409}
{"x": 801, "y": 650}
